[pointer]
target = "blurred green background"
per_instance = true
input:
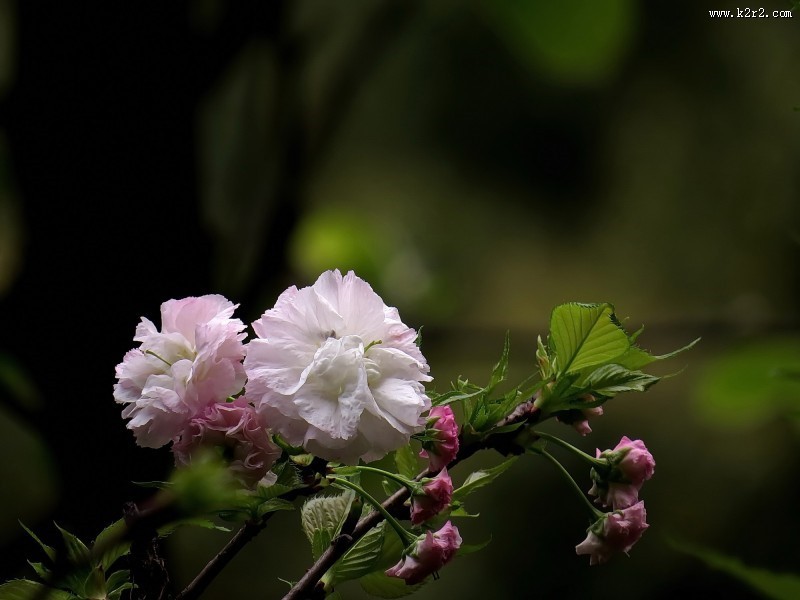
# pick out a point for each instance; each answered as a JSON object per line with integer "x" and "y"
{"x": 478, "y": 162}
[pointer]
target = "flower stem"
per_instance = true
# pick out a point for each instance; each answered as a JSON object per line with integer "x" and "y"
{"x": 595, "y": 462}
{"x": 405, "y": 536}
{"x": 595, "y": 513}
{"x": 410, "y": 485}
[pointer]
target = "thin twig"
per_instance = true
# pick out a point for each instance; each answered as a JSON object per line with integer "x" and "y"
{"x": 242, "y": 537}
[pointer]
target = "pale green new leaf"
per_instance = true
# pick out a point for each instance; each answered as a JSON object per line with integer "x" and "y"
{"x": 582, "y": 335}
{"x": 361, "y": 558}
{"x": 481, "y": 478}
{"x": 322, "y": 517}
{"x": 380, "y": 585}
{"x": 24, "y": 589}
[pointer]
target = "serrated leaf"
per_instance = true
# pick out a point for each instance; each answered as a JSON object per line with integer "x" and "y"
{"x": 583, "y": 335}
{"x": 77, "y": 552}
{"x": 48, "y": 550}
{"x": 500, "y": 370}
{"x": 636, "y": 358}
{"x": 42, "y": 571}
{"x": 361, "y": 558}
{"x": 407, "y": 462}
{"x": 610, "y": 380}
{"x": 24, "y": 589}
{"x": 481, "y": 478}
{"x": 778, "y": 586}
{"x": 322, "y": 517}
{"x": 380, "y": 585}
{"x": 110, "y": 544}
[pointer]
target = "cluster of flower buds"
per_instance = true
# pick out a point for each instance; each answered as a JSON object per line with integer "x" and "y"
{"x": 616, "y": 483}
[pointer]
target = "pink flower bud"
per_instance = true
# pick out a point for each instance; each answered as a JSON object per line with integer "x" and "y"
{"x": 429, "y": 554}
{"x": 444, "y": 450}
{"x": 630, "y": 464}
{"x": 579, "y": 418}
{"x": 615, "y": 532}
{"x": 237, "y": 428}
{"x": 436, "y": 496}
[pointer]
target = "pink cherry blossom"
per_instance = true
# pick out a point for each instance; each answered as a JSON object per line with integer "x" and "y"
{"x": 444, "y": 450}
{"x": 630, "y": 464}
{"x": 234, "y": 426}
{"x": 195, "y": 359}
{"x": 430, "y": 553}
{"x": 615, "y": 532}
{"x": 336, "y": 371}
{"x": 437, "y": 495}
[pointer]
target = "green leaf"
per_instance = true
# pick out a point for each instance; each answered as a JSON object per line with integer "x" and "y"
{"x": 110, "y": 544}
{"x": 322, "y": 517}
{"x": 636, "y": 358}
{"x": 778, "y": 586}
{"x": 465, "y": 549}
{"x": 380, "y": 585}
{"x": 407, "y": 462}
{"x": 500, "y": 369}
{"x": 94, "y": 586}
{"x": 610, "y": 380}
{"x": 583, "y": 335}
{"x": 481, "y": 478}
{"x": 42, "y": 571}
{"x": 118, "y": 580}
{"x": 77, "y": 552}
{"x": 48, "y": 550}
{"x": 361, "y": 558}
{"x": 24, "y": 589}
{"x": 274, "y": 505}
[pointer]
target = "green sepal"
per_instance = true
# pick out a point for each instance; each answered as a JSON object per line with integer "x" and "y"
{"x": 481, "y": 478}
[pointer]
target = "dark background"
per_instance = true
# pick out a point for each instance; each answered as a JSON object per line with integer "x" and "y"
{"x": 478, "y": 162}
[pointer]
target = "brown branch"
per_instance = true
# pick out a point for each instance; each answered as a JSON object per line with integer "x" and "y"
{"x": 308, "y": 586}
{"x": 242, "y": 537}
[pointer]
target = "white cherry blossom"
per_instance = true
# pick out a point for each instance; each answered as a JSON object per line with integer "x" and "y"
{"x": 335, "y": 370}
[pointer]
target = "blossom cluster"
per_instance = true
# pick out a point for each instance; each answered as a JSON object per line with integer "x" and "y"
{"x": 617, "y": 484}
{"x": 331, "y": 369}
